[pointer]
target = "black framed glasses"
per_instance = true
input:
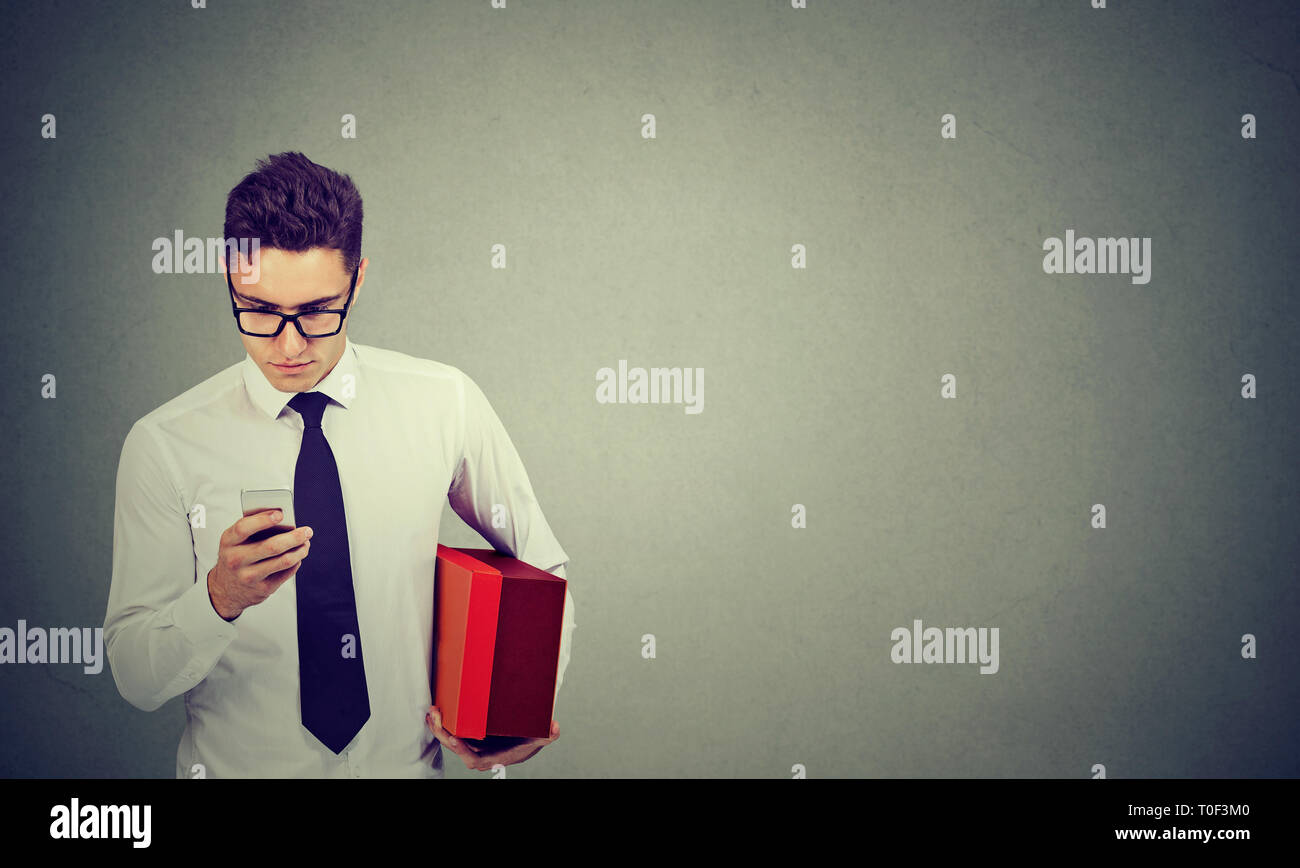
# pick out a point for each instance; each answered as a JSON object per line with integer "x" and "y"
{"x": 312, "y": 323}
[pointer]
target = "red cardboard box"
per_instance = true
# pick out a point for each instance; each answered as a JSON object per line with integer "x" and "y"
{"x": 497, "y": 624}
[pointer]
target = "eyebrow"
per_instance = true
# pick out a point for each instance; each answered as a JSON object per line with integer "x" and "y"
{"x": 312, "y": 303}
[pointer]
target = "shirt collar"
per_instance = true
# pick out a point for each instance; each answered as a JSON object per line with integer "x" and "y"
{"x": 340, "y": 385}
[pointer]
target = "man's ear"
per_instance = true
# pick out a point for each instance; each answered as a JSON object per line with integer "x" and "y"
{"x": 361, "y": 278}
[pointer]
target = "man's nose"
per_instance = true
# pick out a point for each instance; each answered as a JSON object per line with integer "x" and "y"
{"x": 289, "y": 342}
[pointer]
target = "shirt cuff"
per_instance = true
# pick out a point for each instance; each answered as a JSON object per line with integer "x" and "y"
{"x": 194, "y": 615}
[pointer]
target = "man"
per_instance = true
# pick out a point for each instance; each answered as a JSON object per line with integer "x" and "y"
{"x": 371, "y": 441}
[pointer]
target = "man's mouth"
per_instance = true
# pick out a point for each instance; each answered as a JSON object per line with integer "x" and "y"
{"x": 288, "y": 369}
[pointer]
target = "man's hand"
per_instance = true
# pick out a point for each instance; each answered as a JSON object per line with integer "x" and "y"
{"x": 246, "y": 573}
{"x": 483, "y": 761}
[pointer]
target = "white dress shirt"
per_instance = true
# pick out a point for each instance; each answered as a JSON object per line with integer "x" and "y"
{"x": 406, "y": 433}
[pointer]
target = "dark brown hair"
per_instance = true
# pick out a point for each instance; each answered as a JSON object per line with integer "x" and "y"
{"x": 290, "y": 203}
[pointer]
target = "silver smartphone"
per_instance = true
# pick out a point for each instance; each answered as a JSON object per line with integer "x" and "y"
{"x": 253, "y": 500}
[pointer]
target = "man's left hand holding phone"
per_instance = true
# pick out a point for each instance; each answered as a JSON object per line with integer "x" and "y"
{"x": 258, "y": 553}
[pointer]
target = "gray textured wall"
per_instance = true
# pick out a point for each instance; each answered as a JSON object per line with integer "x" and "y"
{"x": 1119, "y": 646}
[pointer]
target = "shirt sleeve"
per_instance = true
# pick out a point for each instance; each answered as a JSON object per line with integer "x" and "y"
{"x": 161, "y": 632}
{"x": 489, "y": 482}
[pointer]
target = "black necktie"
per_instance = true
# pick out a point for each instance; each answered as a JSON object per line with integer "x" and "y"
{"x": 332, "y": 676}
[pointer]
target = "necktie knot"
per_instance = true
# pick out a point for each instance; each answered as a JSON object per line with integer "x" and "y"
{"x": 311, "y": 405}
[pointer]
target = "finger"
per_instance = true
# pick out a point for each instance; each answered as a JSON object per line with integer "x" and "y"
{"x": 516, "y": 754}
{"x": 277, "y": 567}
{"x": 434, "y": 720}
{"x": 279, "y": 577}
{"x": 254, "y": 522}
{"x": 285, "y": 565}
{"x": 529, "y": 745}
{"x": 281, "y": 543}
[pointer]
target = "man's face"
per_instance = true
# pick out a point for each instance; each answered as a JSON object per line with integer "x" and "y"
{"x": 289, "y": 283}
